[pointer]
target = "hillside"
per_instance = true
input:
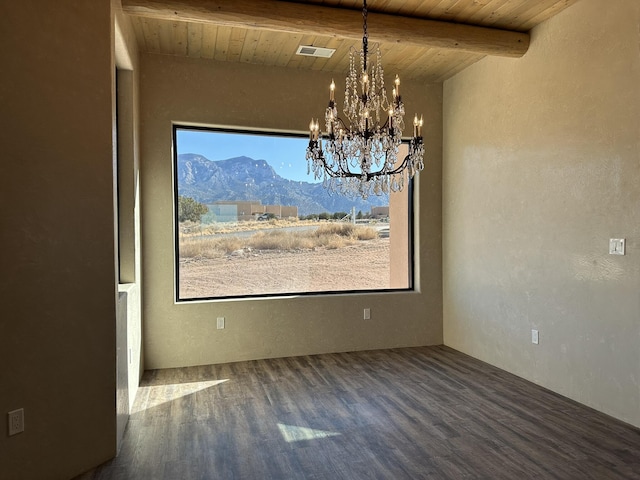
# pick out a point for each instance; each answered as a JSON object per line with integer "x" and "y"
{"x": 243, "y": 178}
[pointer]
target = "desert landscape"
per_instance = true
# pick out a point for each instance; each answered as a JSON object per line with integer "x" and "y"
{"x": 273, "y": 260}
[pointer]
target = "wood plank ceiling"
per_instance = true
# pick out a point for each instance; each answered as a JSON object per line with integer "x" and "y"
{"x": 268, "y": 32}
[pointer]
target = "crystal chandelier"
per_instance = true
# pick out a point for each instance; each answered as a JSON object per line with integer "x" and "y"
{"x": 360, "y": 154}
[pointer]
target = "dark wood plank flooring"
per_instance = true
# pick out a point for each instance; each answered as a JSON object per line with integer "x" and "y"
{"x": 411, "y": 413}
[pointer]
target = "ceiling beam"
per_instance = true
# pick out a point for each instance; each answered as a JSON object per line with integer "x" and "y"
{"x": 283, "y": 16}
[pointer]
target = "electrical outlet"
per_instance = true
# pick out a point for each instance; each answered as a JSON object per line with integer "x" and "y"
{"x": 220, "y": 323}
{"x": 616, "y": 246}
{"x": 367, "y": 314}
{"x": 16, "y": 421}
{"x": 534, "y": 336}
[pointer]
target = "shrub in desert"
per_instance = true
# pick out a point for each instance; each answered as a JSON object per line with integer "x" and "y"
{"x": 366, "y": 233}
{"x": 348, "y": 230}
{"x": 229, "y": 244}
{"x": 341, "y": 229}
{"x": 190, "y": 209}
{"x": 272, "y": 240}
{"x": 209, "y": 247}
{"x": 197, "y": 249}
{"x": 335, "y": 241}
{"x": 280, "y": 240}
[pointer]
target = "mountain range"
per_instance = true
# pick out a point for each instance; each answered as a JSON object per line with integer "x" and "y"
{"x": 244, "y": 178}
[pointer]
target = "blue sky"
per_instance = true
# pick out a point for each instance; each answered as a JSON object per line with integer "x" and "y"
{"x": 285, "y": 154}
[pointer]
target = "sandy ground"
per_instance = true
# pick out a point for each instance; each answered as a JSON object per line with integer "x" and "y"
{"x": 364, "y": 266}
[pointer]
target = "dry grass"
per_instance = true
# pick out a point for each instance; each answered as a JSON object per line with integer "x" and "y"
{"x": 342, "y": 229}
{"x": 366, "y": 233}
{"x": 279, "y": 240}
{"x": 209, "y": 248}
{"x": 192, "y": 229}
{"x": 330, "y": 236}
{"x": 348, "y": 230}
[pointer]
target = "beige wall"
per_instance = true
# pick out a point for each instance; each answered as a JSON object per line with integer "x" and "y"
{"x": 57, "y": 288}
{"x": 541, "y": 169}
{"x": 185, "y": 90}
{"x": 129, "y": 322}
{"x": 399, "y": 227}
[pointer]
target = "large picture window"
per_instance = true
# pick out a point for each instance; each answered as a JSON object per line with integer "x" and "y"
{"x": 250, "y": 221}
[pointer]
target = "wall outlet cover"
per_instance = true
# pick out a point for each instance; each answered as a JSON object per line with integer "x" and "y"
{"x": 16, "y": 421}
{"x": 616, "y": 246}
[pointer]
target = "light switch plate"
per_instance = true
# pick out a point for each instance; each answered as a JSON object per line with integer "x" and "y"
{"x": 616, "y": 246}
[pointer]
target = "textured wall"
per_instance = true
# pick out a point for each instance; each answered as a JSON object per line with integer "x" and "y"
{"x": 540, "y": 170}
{"x": 57, "y": 286}
{"x": 129, "y": 326}
{"x": 184, "y": 90}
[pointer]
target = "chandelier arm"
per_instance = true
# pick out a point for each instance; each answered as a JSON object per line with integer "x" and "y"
{"x": 340, "y": 166}
{"x": 338, "y": 173}
{"x": 344, "y": 125}
{"x": 385, "y": 125}
{"x": 399, "y": 169}
{"x": 369, "y": 175}
{"x": 347, "y": 174}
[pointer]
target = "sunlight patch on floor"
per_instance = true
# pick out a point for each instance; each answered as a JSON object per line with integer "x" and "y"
{"x": 293, "y": 433}
{"x": 159, "y": 394}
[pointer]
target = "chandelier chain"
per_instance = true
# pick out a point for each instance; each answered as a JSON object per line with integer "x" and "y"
{"x": 365, "y": 36}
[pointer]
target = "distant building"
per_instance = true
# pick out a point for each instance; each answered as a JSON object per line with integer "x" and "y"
{"x": 242, "y": 210}
{"x": 380, "y": 212}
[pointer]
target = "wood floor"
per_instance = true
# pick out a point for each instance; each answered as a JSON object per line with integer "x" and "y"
{"x": 412, "y": 413}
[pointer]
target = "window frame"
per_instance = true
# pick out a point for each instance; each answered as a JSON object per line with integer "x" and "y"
{"x": 410, "y": 192}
